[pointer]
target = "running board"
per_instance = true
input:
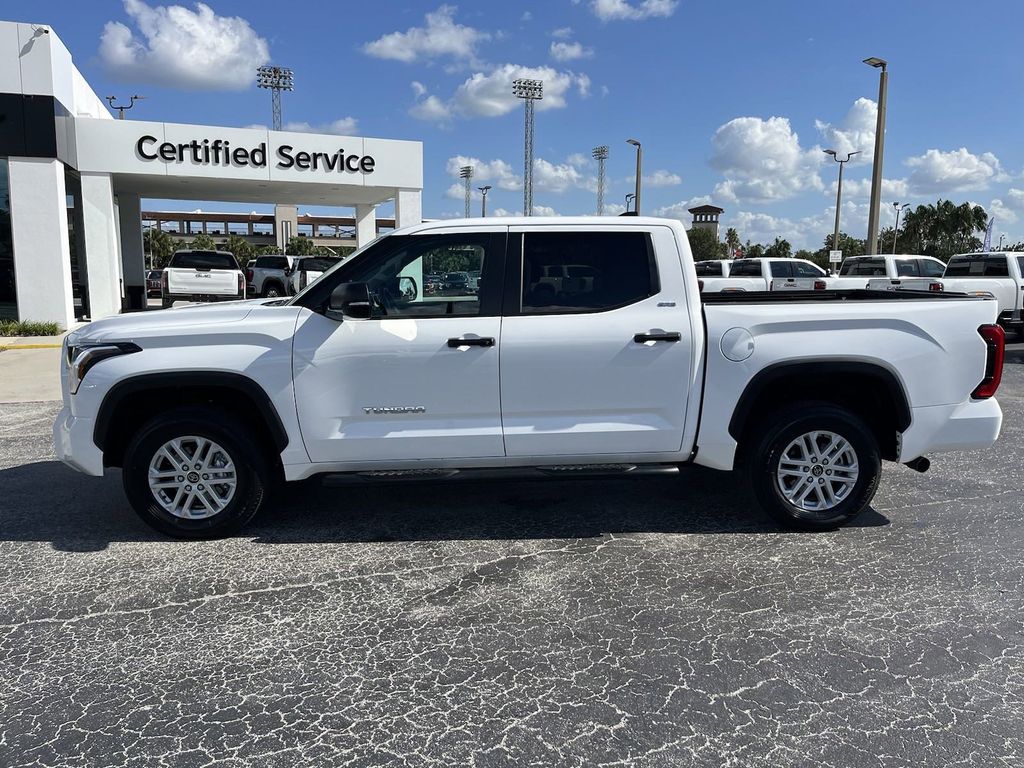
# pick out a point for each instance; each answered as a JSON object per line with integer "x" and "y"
{"x": 498, "y": 473}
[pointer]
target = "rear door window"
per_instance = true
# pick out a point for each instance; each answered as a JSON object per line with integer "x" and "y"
{"x": 709, "y": 268}
{"x": 272, "y": 262}
{"x": 572, "y": 272}
{"x": 203, "y": 260}
{"x": 745, "y": 268}
{"x": 802, "y": 269}
{"x": 929, "y": 268}
{"x": 782, "y": 269}
{"x": 907, "y": 268}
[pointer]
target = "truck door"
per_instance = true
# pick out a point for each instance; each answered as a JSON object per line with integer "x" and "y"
{"x": 599, "y": 365}
{"x": 419, "y": 378}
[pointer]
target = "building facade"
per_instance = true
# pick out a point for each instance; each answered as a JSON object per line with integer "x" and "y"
{"x": 706, "y": 217}
{"x": 72, "y": 182}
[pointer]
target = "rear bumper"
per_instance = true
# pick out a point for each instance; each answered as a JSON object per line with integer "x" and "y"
{"x": 201, "y": 297}
{"x": 972, "y": 425}
{"x": 73, "y": 443}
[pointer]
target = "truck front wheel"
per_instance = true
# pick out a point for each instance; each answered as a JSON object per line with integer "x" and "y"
{"x": 192, "y": 473}
{"x": 814, "y": 466}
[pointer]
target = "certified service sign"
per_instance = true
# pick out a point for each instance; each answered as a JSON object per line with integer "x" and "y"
{"x": 218, "y": 152}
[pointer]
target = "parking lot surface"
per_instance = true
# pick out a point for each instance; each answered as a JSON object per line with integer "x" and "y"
{"x": 646, "y": 621}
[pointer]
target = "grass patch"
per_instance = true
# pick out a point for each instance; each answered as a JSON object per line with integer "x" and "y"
{"x": 28, "y": 328}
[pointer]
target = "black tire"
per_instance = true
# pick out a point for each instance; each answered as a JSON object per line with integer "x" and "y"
{"x": 251, "y": 471}
{"x": 167, "y": 304}
{"x": 272, "y": 291}
{"x": 771, "y": 437}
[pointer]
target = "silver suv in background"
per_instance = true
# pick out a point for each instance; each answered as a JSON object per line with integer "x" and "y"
{"x": 307, "y": 269}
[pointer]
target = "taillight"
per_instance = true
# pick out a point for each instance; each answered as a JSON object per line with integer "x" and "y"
{"x": 163, "y": 281}
{"x": 995, "y": 340}
{"x": 819, "y": 285}
{"x": 700, "y": 285}
{"x": 248, "y": 275}
{"x": 935, "y": 287}
{"x": 241, "y": 285}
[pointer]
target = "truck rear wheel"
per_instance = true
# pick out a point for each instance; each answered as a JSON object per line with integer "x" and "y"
{"x": 814, "y": 466}
{"x": 192, "y": 473}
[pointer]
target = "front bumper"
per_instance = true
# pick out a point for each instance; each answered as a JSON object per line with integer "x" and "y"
{"x": 972, "y": 425}
{"x": 73, "y": 443}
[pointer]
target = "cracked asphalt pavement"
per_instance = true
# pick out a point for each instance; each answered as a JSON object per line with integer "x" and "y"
{"x": 590, "y": 622}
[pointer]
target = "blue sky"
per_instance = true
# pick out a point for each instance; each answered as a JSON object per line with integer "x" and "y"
{"x": 733, "y": 101}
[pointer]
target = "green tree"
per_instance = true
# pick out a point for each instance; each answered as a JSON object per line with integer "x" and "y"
{"x": 752, "y": 250}
{"x": 202, "y": 242}
{"x": 780, "y": 249}
{"x": 850, "y": 246}
{"x": 239, "y": 246}
{"x": 300, "y": 245}
{"x": 804, "y": 254}
{"x": 732, "y": 241}
{"x": 703, "y": 243}
{"x": 942, "y": 229}
{"x": 159, "y": 245}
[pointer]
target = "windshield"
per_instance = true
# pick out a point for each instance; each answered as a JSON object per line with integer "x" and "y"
{"x": 355, "y": 256}
{"x": 203, "y": 260}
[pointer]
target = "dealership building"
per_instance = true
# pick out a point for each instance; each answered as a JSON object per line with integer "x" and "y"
{"x": 72, "y": 182}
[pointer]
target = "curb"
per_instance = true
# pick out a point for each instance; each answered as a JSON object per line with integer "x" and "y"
{"x": 6, "y": 347}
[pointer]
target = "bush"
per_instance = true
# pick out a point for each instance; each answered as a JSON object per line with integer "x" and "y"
{"x": 28, "y": 328}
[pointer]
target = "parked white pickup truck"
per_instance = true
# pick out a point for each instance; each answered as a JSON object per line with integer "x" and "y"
{"x": 361, "y": 376}
{"x": 995, "y": 274}
{"x": 767, "y": 274}
{"x": 857, "y": 270}
{"x": 194, "y": 276}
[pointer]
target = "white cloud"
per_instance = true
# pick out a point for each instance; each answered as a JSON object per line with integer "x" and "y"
{"x": 497, "y": 172}
{"x": 560, "y": 177}
{"x": 955, "y": 171}
{"x": 441, "y": 36}
{"x": 527, "y": 16}
{"x": 428, "y": 107}
{"x": 562, "y": 33}
{"x": 855, "y": 134}
{"x": 617, "y": 10}
{"x": 662, "y": 178}
{"x": 561, "y": 51}
{"x": 490, "y": 94}
{"x": 807, "y": 232}
{"x": 892, "y": 189}
{"x": 681, "y": 210}
{"x": 182, "y": 48}
{"x": 763, "y": 160}
{"x": 544, "y": 210}
{"x": 614, "y": 209}
{"x": 344, "y": 126}
{"x": 1008, "y": 211}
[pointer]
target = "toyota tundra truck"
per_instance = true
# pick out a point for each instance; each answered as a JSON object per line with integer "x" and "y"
{"x": 195, "y": 276}
{"x": 361, "y": 377}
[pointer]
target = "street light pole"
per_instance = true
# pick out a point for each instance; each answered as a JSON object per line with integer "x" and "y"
{"x": 876, "y": 170}
{"x": 839, "y": 191}
{"x": 896, "y": 229}
{"x": 639, "y": 164}
{"x": 121, "y": 109}
{"x": 483, "y": 200}
{"x": 629, "y": 198}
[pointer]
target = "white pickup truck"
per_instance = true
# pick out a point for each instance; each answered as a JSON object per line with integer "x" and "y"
{"x": 856, "y": 271}
{"x": 995, "y": 274}
{"x": 766, "y": 274}
{"x": 194, "y": 276}
{"x": 362, "y": 377}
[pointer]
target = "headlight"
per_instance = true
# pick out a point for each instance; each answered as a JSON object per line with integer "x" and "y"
{"x": 81, "y": 357}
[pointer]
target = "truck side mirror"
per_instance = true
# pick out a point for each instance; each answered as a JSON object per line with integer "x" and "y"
{"x": 408, "y": 289}
{"x": 351, "y": 300}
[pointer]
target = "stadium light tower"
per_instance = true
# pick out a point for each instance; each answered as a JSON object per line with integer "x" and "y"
{"x": 529, "y": 91}
{"x": 466, "y": 174}
{"x": 600, "y": 154}
{"x": 275, "y": 79}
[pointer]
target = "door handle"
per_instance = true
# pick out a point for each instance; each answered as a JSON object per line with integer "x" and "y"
{"x": 485, "y": 341}
{"x": 640, "y": 338}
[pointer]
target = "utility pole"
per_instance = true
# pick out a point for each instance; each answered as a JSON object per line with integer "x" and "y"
{"x": 529, "y": 91}
{"x": 121, "y": 109}
{"x": 600, "y": 154}
{"x": 483, "y": 200}
{"x": 275, "y": 79}
{"x": 876, "y": 170}
{"x": 466, "y": 174}
{"x": 639, "y": 168}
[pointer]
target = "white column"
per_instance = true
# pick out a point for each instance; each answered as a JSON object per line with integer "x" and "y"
{"x": 42, "y": 253}
{"x": 133, "y": 255}
{"x": 366, "y": 224}
{"x": 286, "y": 224}
{"x": 101, "y": 252}
{"x": 408, "y": 207}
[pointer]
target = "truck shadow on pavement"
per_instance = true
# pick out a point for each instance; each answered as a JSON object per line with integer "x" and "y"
{"x": 46, "y": 501}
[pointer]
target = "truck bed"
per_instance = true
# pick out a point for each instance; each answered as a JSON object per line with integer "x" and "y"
{"x": 789, "y": 297}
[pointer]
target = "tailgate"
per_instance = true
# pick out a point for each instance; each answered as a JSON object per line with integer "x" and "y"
{"x": 209, "y": 282}
{"x": 902, "y": 284}
{"x": 792, "y": 284}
